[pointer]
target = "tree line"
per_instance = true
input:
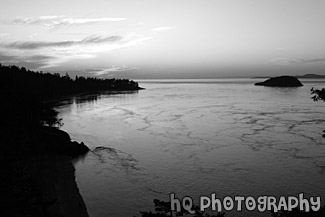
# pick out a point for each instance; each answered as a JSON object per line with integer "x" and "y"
{"x": 48, "y": 86}
{"x": 23, "y": 93}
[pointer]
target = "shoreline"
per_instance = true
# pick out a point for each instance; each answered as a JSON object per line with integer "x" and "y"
{"x": 56, "y": 176}
{"x": 38, "y": 173}
{"x": 36, "y": 157}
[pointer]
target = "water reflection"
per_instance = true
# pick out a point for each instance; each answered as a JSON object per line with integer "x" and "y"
{"x": 89, "y": 100}
{"x": 287, "y": 92}
{"x": 84, "y": 100}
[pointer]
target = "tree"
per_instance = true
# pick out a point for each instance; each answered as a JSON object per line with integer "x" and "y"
{"x": 318, "y": 95}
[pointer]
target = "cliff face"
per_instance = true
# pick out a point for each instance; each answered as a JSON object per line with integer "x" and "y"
{"x": 35, "y": 159}
{"x": 59, "y": 193}
{"x": 281, "y": 81}
{"x": 37, "y": 173}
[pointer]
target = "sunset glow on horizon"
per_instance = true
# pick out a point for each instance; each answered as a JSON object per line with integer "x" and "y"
{"x": 164, "y": 39}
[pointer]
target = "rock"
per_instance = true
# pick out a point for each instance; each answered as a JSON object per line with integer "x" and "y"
{"x": 76, "y": 149}
{"x": 281, "y": 81}
{"x": 58, "y": 141}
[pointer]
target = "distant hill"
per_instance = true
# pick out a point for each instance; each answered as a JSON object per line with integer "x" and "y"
{"x": 310, "y": 76}
{"x": 298, "y": 76}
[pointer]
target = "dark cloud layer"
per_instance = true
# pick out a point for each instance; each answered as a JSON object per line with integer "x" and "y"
{"x": 30, "y": 62}
{"x": 57, "y": 21}
{"x": 314, "y": 60}
{"x": 31, "y": 45}
{"x": 287, "y": 61}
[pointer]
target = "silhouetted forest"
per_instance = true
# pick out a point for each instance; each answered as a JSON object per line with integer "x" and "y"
{"x": 23, "y": 92}
{"x": 29, "y": 132}
{"x": 48, "y": 86}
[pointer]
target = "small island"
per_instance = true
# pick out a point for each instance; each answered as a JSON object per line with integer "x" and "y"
{"x": 281, "y": 81}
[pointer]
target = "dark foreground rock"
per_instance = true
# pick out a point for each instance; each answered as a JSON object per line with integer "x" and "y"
{"x": 281, "y": 81}
{"x": 37, "y": 173}
{"x": 58, "y": 193}
{"x": 39, "y": 185}
{"x": 59, "y": 142}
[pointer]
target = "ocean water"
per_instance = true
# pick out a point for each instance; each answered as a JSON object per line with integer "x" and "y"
{"x": 194, "y": 138}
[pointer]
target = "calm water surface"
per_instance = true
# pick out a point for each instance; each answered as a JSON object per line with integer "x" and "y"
{"x": 196, "y": 137}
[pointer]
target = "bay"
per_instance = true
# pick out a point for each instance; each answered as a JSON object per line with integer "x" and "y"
{"x": 194, "y": 138}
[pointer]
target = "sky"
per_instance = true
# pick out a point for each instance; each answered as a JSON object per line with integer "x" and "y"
{"x": 164, "y": 38}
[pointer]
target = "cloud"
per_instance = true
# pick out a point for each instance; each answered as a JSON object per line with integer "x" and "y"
{"x": 56, "y": 21}
{"x": 285, "y": 61}
{"x": 31, "y": 45}
{"x": 288, "y": 61}
{"x": 45, "y": 54}
{"x": 162, "y": 29}
{"x": 111, "y": 69}
{"x": 4, "y": 35}
{"x": 33, "y": 62}
{"x": 41, "y": 52}
{"x": 314, "y": 60}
